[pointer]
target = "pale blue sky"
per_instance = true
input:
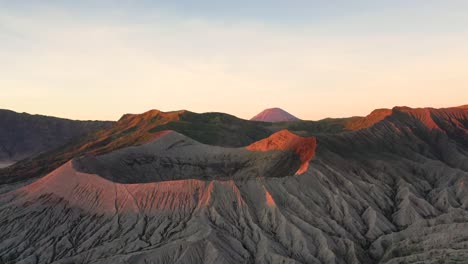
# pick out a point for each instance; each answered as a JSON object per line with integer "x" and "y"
{"x": 100, "y": 59}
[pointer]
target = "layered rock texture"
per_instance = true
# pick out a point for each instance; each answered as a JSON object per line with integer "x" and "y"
{"x": 389, "y": 188}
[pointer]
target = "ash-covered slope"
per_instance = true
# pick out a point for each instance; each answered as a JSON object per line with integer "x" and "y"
{"x": 23, "y": 135}
{"x": 132, "y": 129}
{"x": 170, "y": 183}
{"x": 274, "y": 115}
{"x": 392, "y": 192}
{"x": 175, "y": 157}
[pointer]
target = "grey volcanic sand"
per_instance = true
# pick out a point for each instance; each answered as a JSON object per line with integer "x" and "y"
{"x": 396, "y": 192}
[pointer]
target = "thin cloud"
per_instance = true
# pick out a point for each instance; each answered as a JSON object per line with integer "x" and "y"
{"x": 168, "y": 63}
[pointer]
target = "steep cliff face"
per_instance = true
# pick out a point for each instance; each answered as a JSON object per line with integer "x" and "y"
{"x": 392, "y": 192}
{"x": 23, "y": 135}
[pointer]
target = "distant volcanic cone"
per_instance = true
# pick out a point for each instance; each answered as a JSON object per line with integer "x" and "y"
{"x": 274, "y": 115}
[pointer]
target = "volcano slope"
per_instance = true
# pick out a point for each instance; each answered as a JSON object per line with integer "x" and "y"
{"x": 209, "y": 128}
{"x": 23, "y": 135}
{"x": 274, "y": 115}
{"x": 392, "y": 191}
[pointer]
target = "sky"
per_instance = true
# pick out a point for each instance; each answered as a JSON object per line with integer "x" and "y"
{"x": 316, "y": 59}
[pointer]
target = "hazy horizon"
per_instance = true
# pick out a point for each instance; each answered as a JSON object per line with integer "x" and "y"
{"x": 98, "y": 61}
{"x": 246, "y": 118}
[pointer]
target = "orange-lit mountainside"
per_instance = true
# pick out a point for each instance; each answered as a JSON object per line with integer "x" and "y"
{"x": 182, "y": 187}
